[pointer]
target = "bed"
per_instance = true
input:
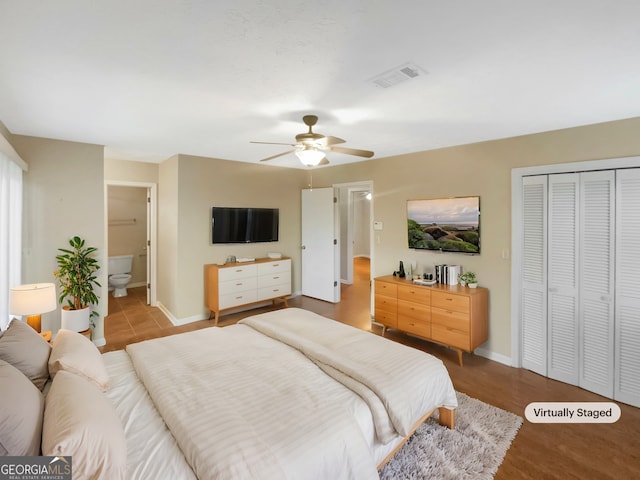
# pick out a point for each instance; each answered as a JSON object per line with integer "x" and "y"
{"x": 285, "y": 394}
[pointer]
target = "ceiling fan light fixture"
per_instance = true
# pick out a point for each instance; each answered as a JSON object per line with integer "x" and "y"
{"x": 310, "y": 156}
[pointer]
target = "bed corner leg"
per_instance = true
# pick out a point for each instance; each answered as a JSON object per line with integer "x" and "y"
{"x": 447, "y": 417}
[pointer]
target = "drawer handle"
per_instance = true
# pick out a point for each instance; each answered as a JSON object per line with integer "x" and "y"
{"x": 239, "y": 270}
{"x": 238, "y": 298}
{"x": 276, "y": 277}
{"x": 449, "y": 299}
{"x": 275, "y": 265}
{"x": 239, "y": 284}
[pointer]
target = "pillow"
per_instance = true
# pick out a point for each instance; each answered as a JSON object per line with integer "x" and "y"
{"x": 21, "y": 408}
{"x": 75, "y": 353}
{"x": 25, "y": 349}
{"x": 79, "y": 420}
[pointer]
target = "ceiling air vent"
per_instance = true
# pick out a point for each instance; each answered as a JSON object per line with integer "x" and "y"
{"x": 397, "y": 75}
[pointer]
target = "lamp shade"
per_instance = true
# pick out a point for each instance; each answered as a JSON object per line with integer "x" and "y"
{"x": 310, "y": 156}
{"x": 32, "y": 299}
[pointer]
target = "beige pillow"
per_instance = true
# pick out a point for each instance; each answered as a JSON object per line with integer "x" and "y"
{"x": 21, "y": 409}
{"x": 25, "y": 349}
{"x": 79, "y": 420}
{"x": 75, "y": 353}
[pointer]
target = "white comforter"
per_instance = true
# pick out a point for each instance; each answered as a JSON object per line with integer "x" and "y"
{"x": 244, "y": 405}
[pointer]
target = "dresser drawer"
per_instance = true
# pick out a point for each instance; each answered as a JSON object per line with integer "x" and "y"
{"x": 274, "y": 278}
{"x": 450, "y": 328}
{"x": 414, "y": 311}
{"x": 240, "y": 271}
{"x": 387, "y": 304}
{"x": 277, "y": 290}
{"x": 420, "y": 328}
{"x": 240, "y": 298}
{"x": 384, "y": 288}
{"x": 414, "y": 294}
{"x": 280, "y": 266}
{"x": 447, "y": 301}
{"x": 390, "y": 319}
{"x": 237, "y": 285}
{"x": 414, "y": 318}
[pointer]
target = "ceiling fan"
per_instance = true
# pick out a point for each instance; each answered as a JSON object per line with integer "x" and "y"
{"x": 310, "y": 146}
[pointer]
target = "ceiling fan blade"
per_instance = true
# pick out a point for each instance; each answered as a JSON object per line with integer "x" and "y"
{"x": 278, "y": 155}
{"x": 353, "y": 151}
{"x": 276, "y": 143}
{"x": 330, "y": 141}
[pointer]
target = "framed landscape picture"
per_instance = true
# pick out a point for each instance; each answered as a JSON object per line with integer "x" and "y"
{"x": 444, "y": 224}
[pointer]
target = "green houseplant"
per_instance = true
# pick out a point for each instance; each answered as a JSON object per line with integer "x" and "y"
{"x": 469, "y": 279}
{"x": 76, "y": 274}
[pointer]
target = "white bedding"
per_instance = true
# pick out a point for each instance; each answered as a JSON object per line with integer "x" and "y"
{"x": 152, "y": 452}
{"x": 234, "y": 400}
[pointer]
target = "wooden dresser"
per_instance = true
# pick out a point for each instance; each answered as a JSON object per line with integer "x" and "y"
{"x": 235, "y": 285}
{"x": 451, "y": 315}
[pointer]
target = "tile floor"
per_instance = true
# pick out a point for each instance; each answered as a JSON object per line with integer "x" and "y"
{"x": 131, "y": 320}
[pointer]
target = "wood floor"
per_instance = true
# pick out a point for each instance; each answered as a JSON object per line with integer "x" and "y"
{"x": 540, "y": 451}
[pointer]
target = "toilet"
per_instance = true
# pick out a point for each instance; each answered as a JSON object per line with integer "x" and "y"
{"x": 119, "y": 274}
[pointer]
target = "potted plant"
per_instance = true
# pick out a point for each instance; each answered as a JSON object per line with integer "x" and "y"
{"x": 76, "y": 273}
{"x": 469, "y": 279}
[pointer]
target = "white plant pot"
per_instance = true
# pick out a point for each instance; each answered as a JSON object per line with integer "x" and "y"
{"x": 76, "y": 320}
{"x": 472, "y": 285}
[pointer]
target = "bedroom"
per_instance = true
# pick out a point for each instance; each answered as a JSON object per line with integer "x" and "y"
{"x": 189, "y": 185}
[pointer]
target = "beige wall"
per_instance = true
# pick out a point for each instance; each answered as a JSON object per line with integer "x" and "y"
{"x": 167, "y": 253}
{"x": 195, "y": 185}
{"x": 127, "y": 171}
{"x": 63, "y": 197}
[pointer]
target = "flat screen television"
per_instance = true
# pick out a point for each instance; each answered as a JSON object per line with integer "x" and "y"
{"x": 244, "y": 225}
{"x": 444, "y": 224}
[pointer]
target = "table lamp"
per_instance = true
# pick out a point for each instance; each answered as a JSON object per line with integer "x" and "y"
{"x": 33, "y": 300}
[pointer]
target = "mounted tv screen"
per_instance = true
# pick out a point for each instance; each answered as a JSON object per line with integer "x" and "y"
{"x": 244, "y": 225}
{"x": 444, "y": 224}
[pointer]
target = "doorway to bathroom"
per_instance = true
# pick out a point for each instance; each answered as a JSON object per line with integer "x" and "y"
{"x": 131, "y": 230}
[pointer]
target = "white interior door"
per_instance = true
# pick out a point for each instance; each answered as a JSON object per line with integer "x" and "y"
{"x": 596, "y": 281}
{"x": 533, "y": 305}
{"x": 563, "y": 274}
{"x": 627, "y": 301}
{"x": 148, "y": 246}
{"x": 320, "y": 252}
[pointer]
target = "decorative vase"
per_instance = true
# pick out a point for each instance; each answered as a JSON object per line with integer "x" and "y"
{"x": 76, "y": 320}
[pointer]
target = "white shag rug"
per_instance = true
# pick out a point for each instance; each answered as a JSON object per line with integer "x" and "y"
{"x": 473, "y": 450}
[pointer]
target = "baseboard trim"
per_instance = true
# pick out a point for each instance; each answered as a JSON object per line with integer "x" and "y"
{"x": 196, "y": 318}
{"x": 496, "y": 357}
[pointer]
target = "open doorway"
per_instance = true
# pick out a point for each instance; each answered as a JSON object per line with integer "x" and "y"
{"x": 356, "y": 248}
{"x": 131, "y": 231}
{"x": 356, "y": 214}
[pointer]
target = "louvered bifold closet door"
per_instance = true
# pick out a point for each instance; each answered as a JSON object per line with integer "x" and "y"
{"x": 596, "y": 286}
{"x": 627, "y": 326}
{"x": 563, "y": 275}
{"x": 533, "y": 307}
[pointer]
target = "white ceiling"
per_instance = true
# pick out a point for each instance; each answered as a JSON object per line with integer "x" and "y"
{"x": 149, "y": 79}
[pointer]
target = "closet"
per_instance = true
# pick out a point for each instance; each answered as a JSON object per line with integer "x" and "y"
{"x": 579, "y": 279}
